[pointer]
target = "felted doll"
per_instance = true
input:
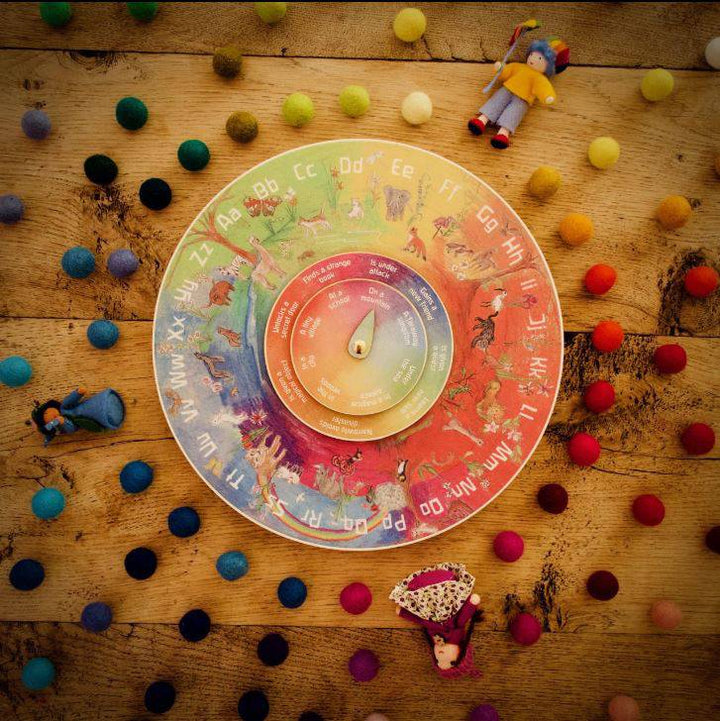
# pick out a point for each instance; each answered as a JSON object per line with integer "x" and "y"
{"x": 101, "y": 412}
{"x": 440, "y": 599}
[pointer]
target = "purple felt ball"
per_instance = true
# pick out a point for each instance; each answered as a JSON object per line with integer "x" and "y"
{"x": 484, "y": 712}
{"x": 11, "y": 209}
{"x": 36, "y": 124}
{"x": 363, "y": 665}
{"x": 96, "y": 617}
{"x": 122, "y": 263}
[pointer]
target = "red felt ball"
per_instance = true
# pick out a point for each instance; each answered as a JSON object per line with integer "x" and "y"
{"x": 363, "y": 665}
{"x": 508, "y": 546}
{"x": 648, "y": 510}
{"x": 712, "y": 539}
{"x": 670, "y": 358}
{"x": 600, "y": 278}
{"x": 602, "y": 585}
{"x": 356, "y": 598}
{"x": 552, "y": 498}
{"x": 583, "y": 449}
{"x": 599, "y": 396}
{"x": 698, "y": 439}
{"x": 700, "y": 281}
{"x": 607, "y": 336}
{"x": 525, "y": 629}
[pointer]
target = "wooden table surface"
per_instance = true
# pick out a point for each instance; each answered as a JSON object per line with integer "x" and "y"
{"x": 591, "y": 650}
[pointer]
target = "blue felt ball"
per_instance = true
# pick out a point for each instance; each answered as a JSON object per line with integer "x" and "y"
{"x": 159, "y": 697}
{"x": 232, "y": 565}
{"x": 15, "y": 371}
{"x": 122, "y": 263}
{"x": 48, "y": 503}
{"x": 103, "y": 334}
{"x": 38, "y": 673}
{"x": 96, "y": 617}
{"x": 136, "y": 476}
{"x": 11, "y": 209}
{"x": 27, "y": 574}
{"x": 78, "y": 262}
{"x": 36, "y": 124}
{"x": 140, "y": 563}
{"x": 292, "y": 592}
{"x": 273, "y": 649}
{"x": 194, "y": 625}
{"x": 184, "y": 522}
{"x": 253, "y": 706}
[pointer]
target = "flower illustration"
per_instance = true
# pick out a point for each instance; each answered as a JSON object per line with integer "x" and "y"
{"x": 491, "y": 427}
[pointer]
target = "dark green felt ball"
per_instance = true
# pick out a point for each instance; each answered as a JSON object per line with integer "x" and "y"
{"x": 227, "y": 61}
{"x": 193, "y": 155}
{"x": 56, "y": 14}
{"x": 100, "y": 169}
{"x": 131, "y": 113}
{"x": 143, "y": 11}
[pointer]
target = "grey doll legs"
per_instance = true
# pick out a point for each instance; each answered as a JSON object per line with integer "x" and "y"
{"x": 504, "y": 109}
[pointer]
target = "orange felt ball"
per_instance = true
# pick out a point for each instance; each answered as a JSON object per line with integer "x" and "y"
{"x": 623, "y": 708}
{"x": 607, "y": 336}
{"x": 600, "y": 278}
{"x": 674, "y": 212}
{"x": 576, "y": 229}
{"x": 666, "y": 615}
{"x": 700, "y": 281}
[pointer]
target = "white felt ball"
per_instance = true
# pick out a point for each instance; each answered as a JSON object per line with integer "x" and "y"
{"x": 417, "y": 108}
{"x": 712, "y": 53}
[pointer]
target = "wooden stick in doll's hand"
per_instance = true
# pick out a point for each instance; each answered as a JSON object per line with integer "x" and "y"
{"x": 518, "y": 34}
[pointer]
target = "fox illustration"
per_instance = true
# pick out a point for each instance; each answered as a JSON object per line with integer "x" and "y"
{"x": 312, "y": 225}
{"x": 415, "y": 244}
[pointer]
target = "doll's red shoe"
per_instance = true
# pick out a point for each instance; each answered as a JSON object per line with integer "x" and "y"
{"x": 476, "y": 126}
{"x": 500, "y": 141}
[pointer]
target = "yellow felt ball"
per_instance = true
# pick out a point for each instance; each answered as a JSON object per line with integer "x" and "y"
{"x": 604, "y": 152}
{"x": 298, "y": 109}
{"x": 544, "y": 182}
{"x": 417, "y": 108}
{"x": 674, "y": 212}
{"x": 354, "y": 100}
{"x": 576, "y": 229}
{"x": 409, "y": 25}
{"x": 271, "y": 13}
{"x": 656, "y": 85}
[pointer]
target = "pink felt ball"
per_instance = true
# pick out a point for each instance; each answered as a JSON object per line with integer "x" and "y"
{"x": 525, "y": 629}
{"x": 375, "y": 716}
{"x": 363, "y": 665}
{"x": 583, "y": 449}
{"x": 356, "y": 598}
{"x": 599, "y": 396}
{"x": 648, "y": 510}
{"x": 508, "y": 546}
{"x": 623, "y": 708}
{"x": 698, "y": 439}
{"x": 666, "y": 615}
{"x": 484, "y": 712}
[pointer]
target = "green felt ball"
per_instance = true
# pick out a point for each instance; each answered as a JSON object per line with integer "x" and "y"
{"x": 131, "y": 113}
{"x": 298, "y": 109}
{"x": 193, "y": 154}
{"x": 143, "y": 11}
{"x": 242, "y": 126}
{"x": 271, "y": 13}
{"x": 56, "y": 14}
{"x": 354, "y": 100}
{"x": 227, "y": 61}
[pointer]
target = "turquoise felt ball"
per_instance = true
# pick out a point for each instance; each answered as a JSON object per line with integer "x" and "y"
{"x": 48, "y": 503}
{"x": 193, "y": 155}
{"x": 15, "y": 371}
{"x": 232, "y": 565}
{"x": 143, "y": 11}
{"x": 103, "y": 334}
{"x": 78, "y": 262}
{"x": 38, "y": 673}
{"x": 131, "y": 113}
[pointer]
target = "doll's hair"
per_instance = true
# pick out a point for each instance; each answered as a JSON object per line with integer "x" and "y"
{"x": 465, "y": 645}
{"x": 555, "y": 52}
{"x": 39, "y": 421}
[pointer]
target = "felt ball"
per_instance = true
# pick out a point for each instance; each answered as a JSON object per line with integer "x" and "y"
{"x": 665, "y": 615}
{"x": 607, "y": 336}
{"x": 184, "y": 522}
{"x": 602, "y": 585}
{"x": 354, "y": 100}
{"x": 103, "y": 334}
{"x": 27, "y": 574}
{"x": 508, "y": 546}
{"x": 363, "y": 665}
{"x": 698, "y": 439}
{"x": 38, "y": 673}
{"x": 292, "y": 592}
{"x": 271, "y": 13}
{"x": 656, "y": 84}
{"x": 600, "y": 278}
{"x": 140, "y": 563}
{"x": 310, "y": 716}
{"x": 242, "y": 126}
{"x": 712, "y": 539}
{"x": 356, "y": 598}
{"x": 674, "y": 212}
{"x": 48, "y": 503}
{"x": 232, "y": 565}
{"x": 194, "y": 625}
{"x": 603, "y": 152}
{"x": 100, "y": 169}
{"x": 159, "y": 697}
{"x": 273, "y": 649}
{"x": 193, "y": 154}
{"x": 15, "y": 371}
{"x": 409, "y": 25}
{"x": 122, "y": 263}
{"x": 583, "y": 449}
{"x": 712, "y": 53}
{"x": 576, "y": 229}
{"x": 552, "y": 498}
{"x": 298, "y": 110}
{"x": 155, "y": 194}
{"x": 648, "y": 510}
{"x": 227, "y": 61}
{"x": 131, "y": 113}
{"x": 623, "y": 708}
{"x": 36, "y": 124}
{"x": 525, "y": 629}
{"x": 96, "y": 617}
{"x": 78, "y": 262}
{"x": 717, "y": 165}
{"x": 56, "y": 14}
{"x": 417, "y": 108}
{"x": 136, "y": 476}
{"x": 143, "y": 11}
{"x": 376, "y": 716}
{"x": 11, "y": 209}
{"x": 599, "y": 396}
{"x": 484, "y": 712}
{"x": 253, "y": 706}
{"x": 670, "y": 358}
{"x": 701, "y": 281}
{"x": 544, "y": 182}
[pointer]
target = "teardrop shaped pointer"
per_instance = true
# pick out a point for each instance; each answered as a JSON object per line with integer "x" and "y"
{"x": 361, "y": 340}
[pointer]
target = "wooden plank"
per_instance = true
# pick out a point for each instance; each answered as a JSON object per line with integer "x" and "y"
{"x": 187, "y": 100}
{"x": 643, "y": 34}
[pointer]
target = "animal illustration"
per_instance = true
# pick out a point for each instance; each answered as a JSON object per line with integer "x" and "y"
{"x": 175, "y": 401}
{"x": 485, "y": 338}
{"x": 306, "y": 255}
{"x": 264, "y": 265}
{"x": 346, "y": 464}
{"x": 233, "y": 337}
{"x": 220, "y": 293}
{"x": 356, "y": 211}
{"x": 233, "y": 270}
{"x": 454, "y": 424}
{"x": 211, "y": 362}
{"x": 396, "y": 200}
{"x": 312, "y": 225}
{"x": 265, "y": 458}
{"x": 266, "y": 206}
{"x": 497, "y": 301}
{"x": 291, "y": 474}
{"x": 401, "y": 472}
{"x": 472, "y": 260}
{"x": 415, "y": 244}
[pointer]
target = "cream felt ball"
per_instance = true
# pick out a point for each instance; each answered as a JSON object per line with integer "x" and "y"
{"x": 271, "y": 13}
{"x": 417, "y": 108}
{"x": 354, "y": 100}
{"x": 656, "y": 84}
{"x": 409, "y": 25}
{"x": 712, "y": 53}
{"x": 298, "y": 109}
{"x": 603, "y": 152}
